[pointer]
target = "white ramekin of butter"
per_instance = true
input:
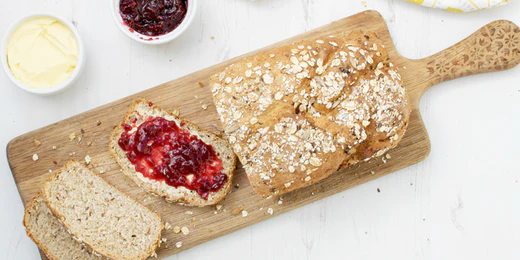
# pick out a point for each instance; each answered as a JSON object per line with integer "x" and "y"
{"x": 42, "y": 54}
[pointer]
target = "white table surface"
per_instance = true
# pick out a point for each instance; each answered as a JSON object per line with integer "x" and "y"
{"x": 462, "y": 202}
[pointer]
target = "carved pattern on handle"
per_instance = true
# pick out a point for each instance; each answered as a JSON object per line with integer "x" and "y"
{"x": 494, "y": 47}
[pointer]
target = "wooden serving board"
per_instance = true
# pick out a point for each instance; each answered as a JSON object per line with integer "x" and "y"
{"x": 489, "y": 49}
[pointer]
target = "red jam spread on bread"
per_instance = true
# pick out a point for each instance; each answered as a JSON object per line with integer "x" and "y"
{"x": 153, "y": 17}
{"x": 162, "y": 151}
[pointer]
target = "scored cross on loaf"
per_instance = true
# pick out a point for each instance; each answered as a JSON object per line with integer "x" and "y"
{"x": 296, "y": 114}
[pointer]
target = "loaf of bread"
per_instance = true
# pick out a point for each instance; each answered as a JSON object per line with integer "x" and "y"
{"x": 100, "y": 216}
{"x": 296, "y": 114}
{"x": 142, "y": 110}
{"x": 51, "y": 236}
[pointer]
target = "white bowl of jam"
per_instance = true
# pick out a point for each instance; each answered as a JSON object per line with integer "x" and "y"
{"x": 153, "y": 21}
{"x": 42, "y": 54}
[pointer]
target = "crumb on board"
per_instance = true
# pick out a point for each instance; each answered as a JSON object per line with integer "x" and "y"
{"x": 244, "y": 213}
{"x": 270, "y": 211}
{"x": 236, "y": 211}
{"x": 37, "y": 143}
{"x": 72, "y": 136}
{"x": 201, "y": 84}
{"x": 167, "y": 226}
{"x": 176, "y": 112}
{"x": 88, "y": 159}
{"x": 176, "y": 229}
{"x": 35, "y": 157}
{"x": 178, "y": 244}
{"x": 185, "y": 230}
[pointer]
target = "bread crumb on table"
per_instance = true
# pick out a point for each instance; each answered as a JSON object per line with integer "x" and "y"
{"x": 178, "y": 244}
{"x": 37, "y": 143}
{"x": 244, "y": 213}
{"x": 35, "y": 157}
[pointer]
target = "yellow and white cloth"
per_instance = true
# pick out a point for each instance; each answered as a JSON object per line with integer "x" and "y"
{"x": 461, "y": 5}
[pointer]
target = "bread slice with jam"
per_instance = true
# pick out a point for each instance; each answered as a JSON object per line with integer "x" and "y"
{"x": 171, "y": 157}
{"x": 103, "y": 218}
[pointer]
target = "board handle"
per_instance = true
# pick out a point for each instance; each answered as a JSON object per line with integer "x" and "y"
{"x": 494, "y": 47}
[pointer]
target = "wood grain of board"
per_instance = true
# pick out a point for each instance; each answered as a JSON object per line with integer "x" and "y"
{"x": 485, "y": 51}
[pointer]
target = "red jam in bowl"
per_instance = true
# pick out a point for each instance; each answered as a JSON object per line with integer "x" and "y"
{"x": 153, "y": 17}
{"x": 162, "y": 151}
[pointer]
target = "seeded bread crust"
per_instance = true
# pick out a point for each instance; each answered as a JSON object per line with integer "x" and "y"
{"x": 141, "y": 110}
{"x": 50, "y": 235}
{"x": 296, "y": 114}
{"x": 103, "y": 218}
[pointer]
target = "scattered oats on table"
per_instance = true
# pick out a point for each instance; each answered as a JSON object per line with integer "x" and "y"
{"x": 72, "y": 137}
{"x": 35, "y": 157}
{"x": 167, "y": 226}
{"x": 178, "y": 244}
{"x": 185, "y": 230}
{"x": 88, "y": 159}
{"x": 270, "y": 211}
{"x": 176, "y": 229}
{"x": 244, "y": 213}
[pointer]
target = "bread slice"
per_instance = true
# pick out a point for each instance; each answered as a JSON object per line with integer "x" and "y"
{"x": 50, "y": 235}
{"x": 138, "y": 112}
{"x": 97, "y": 214}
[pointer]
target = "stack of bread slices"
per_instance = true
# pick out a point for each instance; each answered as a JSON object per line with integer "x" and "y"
{"x": 78, "y": 215}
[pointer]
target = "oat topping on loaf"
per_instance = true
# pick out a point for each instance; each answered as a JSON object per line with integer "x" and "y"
{"x": 298, "y": 113}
